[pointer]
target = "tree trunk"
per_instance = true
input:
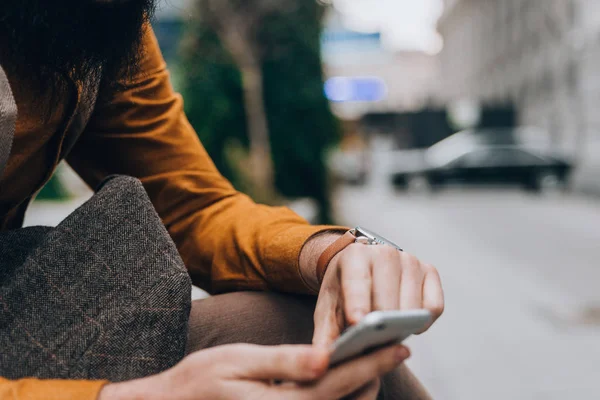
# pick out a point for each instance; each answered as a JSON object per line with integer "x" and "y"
{"x": 261, "y": 161}
{"x": 236, "y": 31}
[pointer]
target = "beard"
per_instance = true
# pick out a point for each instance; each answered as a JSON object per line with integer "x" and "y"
{"x": 44, "y": 40}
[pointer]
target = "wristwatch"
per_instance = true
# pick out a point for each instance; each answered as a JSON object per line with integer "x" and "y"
{"x": 356, "y": 235}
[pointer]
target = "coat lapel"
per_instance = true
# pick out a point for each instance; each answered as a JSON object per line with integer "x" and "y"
{"x": 8, "y": 119}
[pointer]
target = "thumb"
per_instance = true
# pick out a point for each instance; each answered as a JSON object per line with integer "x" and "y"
{"x": 328, "y": 323}
{"x": 294, "y": 363}
{"x": 326, "y": 332}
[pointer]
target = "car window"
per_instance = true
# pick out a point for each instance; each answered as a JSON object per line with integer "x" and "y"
{"x": 496, "y": 158}
{"x": 473, "y": 159}
{"x": 526, "y": 158}
{"x": 512, "y": 157}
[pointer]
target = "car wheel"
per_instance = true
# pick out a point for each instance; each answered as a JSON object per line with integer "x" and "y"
{"x": 548, "y": 182}
{"x": 418, "y": 184}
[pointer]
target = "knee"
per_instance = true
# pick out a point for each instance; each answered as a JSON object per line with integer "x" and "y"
{"x": 248, "y": 317}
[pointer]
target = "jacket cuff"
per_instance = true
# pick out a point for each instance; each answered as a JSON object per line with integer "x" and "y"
{"x": 283, "y": 255}
{"x": 35, "y": 389}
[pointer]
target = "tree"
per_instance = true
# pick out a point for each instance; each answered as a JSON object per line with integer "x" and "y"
{"x": 237, "y": 23}
{"x": 299, "y": 115}
{"x": 212, "y": 89}
{"x": 298, "y": 124}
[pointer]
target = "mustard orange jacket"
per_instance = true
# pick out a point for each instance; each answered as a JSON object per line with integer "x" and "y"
{"x": 226, "y": 240}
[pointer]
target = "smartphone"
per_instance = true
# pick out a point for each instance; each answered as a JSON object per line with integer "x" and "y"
{"x": 378, "y": 329}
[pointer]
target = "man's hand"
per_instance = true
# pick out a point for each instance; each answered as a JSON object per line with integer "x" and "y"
{"x": 247, "y": 372}
{"x": 364, "y": 278}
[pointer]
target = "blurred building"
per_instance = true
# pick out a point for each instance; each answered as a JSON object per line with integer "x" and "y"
{"x": 410, "y": 78}
{"x": 542, "y": 57}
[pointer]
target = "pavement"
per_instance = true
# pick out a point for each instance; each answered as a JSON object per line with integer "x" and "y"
{"x": 521, "y": 275}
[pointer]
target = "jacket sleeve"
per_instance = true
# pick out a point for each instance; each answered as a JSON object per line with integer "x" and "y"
{"x": 35, "y": 389}
{"x": 226, "y": 240}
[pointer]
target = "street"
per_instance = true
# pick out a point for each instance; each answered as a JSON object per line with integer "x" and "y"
{"x": 521, "y": 276}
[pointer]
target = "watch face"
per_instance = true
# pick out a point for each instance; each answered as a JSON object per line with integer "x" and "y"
{"x": 375, "y": 237}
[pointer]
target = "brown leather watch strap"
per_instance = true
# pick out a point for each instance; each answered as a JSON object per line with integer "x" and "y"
{"x": 340, "y": 244}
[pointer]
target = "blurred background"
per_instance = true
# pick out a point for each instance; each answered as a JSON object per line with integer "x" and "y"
{"x": 465, "y": 130}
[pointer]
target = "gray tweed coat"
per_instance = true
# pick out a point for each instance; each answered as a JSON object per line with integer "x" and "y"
{"x": 104, "y": 295}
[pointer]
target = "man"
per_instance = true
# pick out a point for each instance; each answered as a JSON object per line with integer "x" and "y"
{"x": 91, "y": 87}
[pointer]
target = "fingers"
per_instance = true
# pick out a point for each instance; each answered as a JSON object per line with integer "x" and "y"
{"x": 353, "y": 375}
{"x": 433, "y": 294}
{"x": 368, "y": 392}
{"x": 380, "y": 278}
{"x": 386, "y": 278}
{"x": 356, "y": 283}
{"x": 328, "y": 319}
{"x": 411, "y": 285}
{"x": 297, "y": 363}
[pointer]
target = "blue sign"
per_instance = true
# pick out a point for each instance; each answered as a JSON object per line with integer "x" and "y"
{"x": 349, "y": 36}
{"x": 355, "y": 89}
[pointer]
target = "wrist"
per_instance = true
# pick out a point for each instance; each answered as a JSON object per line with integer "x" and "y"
{"x": 310, "y": 254}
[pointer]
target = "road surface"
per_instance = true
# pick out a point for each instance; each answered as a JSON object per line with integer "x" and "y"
{"x": 522, "y": 282}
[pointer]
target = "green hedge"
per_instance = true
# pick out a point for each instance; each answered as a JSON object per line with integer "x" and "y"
{"x": 300, "y": 122}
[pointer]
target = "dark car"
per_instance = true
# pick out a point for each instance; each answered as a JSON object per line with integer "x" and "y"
{"x": 459, "y": 162}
